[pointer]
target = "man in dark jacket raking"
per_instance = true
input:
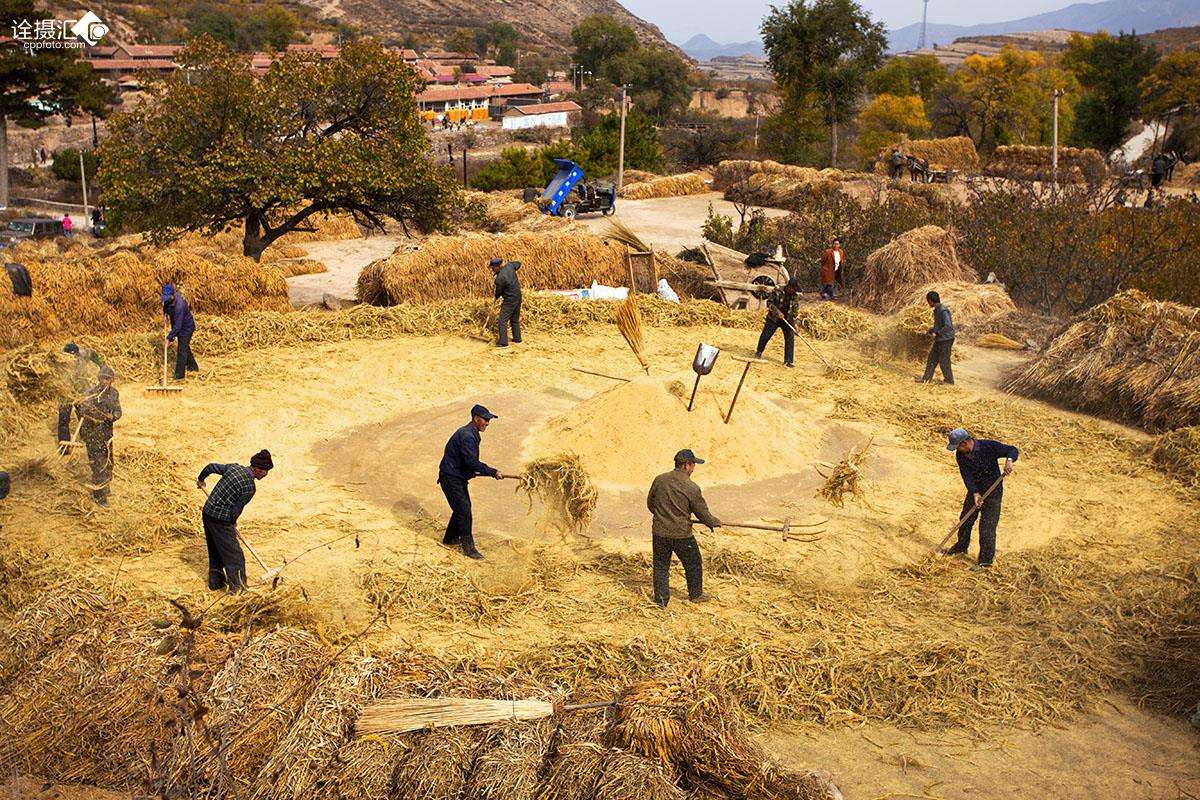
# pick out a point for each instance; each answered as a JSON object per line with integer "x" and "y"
{"x": 97, "y": 413}
{"x": 79, "y": 377}
{"x": 943, "y": 341}
{"x": 460, "y": 463}
{"x": 782, "y": 305}
{"x": 183, "y": 325}
{"x": 226, "y": 562}
{"x": 978, "y": 465}
{"x": 508, "y": 292}
{"x": 674, "y": 499}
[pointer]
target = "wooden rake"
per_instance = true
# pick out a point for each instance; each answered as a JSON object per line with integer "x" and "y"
{"x": 165, "y": 388}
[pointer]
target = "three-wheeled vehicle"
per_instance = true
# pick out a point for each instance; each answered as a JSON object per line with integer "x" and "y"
{"x": 568, "y": 194}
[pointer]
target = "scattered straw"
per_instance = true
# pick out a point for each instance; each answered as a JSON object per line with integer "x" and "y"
{"x": 845, "y": 478}
{"x": 1177, "y": 453}
{"x": 562, "y": 484}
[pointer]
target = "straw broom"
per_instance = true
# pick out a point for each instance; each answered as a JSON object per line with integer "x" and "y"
{"x": 629, "y": 321}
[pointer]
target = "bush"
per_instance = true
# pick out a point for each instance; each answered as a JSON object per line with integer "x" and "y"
{"x": 516, "y": 168}
{"x": 66, "y": 164}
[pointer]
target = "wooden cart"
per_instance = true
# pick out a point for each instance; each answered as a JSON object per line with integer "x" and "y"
{"x": 740, "y": 285}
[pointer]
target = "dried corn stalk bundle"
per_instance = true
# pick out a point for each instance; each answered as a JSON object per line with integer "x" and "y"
{"x": 845, "y": 477}
{"x": 562, "y": 484}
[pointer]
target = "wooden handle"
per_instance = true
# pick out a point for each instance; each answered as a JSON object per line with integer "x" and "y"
{"x": 586, "y": 706}
{"x": 967, "y": 515}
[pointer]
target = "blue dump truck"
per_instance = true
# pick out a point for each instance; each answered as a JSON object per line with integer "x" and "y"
{"x": 568, "y": 194}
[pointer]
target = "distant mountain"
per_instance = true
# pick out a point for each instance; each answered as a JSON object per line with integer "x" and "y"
{"x": 702, "y": 48}
{"x": 1113, "y": 16}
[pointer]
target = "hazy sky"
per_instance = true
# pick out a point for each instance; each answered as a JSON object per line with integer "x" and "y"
{"x": 737, "y": 21}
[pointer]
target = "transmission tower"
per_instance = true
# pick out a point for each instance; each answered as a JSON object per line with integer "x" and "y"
{"x": 924, "y": 22}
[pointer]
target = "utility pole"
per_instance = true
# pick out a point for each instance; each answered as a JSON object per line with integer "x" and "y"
{"x": 756, "y": 132}
{"x": 83, "y": 183}
{"x": 621, "y": 149}
{"x": 1054, "y": 157}
{"x": 924, "y": 23}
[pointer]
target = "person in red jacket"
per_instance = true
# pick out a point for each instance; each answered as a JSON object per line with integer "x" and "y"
{"x": 832, "y": 261}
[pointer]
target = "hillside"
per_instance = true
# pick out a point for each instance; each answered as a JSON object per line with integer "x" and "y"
{"x": 1172, "y": 39}
{"x": 703, "y": 48}
{"x": 1112, "y": 15}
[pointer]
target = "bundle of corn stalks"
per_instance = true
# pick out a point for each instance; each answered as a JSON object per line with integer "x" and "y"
{"x": 845, "y": 477}
{"x": 627, "y": 775}
{"x": 1131, "y": 358}
{"x": 998, "y": 341}
{"x": 1030, "y": 163}
{"x": 448, "y": 267}
{"x": 920, "y": 257}
{"x": 955, "y": 152}
{"x": 668, "y": 186}
{"x": 628, "y": 317}
{"x": 577, "y": 760}
{"x": 562, "y": 484}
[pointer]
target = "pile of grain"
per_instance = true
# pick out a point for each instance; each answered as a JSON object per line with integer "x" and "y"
{"x": 667, "y": 186}
{"x": 619, "y": 435}
{"x": 1028, "y": 163}
{"x": 448, "y": 267}
{"x": 920, "y": 257}
{"x": 1131, "y": 358}
{"x": 955, "y": 152}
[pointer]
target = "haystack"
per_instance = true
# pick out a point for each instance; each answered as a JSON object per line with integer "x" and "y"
{"x": 447, "y": 267}
{"x": 667, "y": 186}
{"x": 506, "y": 212}
{"x": 1177, "y": 453}
{"x": 1131, "y": 358}
{"x": 1029, "y": 163}
{"x": 730, "y": 173}
{"x": 925, "y": 255}
{"x": 955, "y": 152}
{"x": 776, "y": 190}
{"x": 56, "y": 613}
{"x": 904, "y": 335}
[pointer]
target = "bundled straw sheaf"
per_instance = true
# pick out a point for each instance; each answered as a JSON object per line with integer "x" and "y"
{"x": 922, "y": 256}
{"x": 955, "y": 152}
{"x": 667, "y": 186}
{"x": 1132, "y": 358}
{"x": 1029, "y": 163}
{"x": 450, "y": 267}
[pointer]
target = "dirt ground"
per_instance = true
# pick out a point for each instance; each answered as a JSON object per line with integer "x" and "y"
{"x": 343, "y": 260}
{"x": 670, "y": 223}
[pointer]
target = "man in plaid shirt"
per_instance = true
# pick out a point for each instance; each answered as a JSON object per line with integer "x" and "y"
{"x": 226, "y": 562}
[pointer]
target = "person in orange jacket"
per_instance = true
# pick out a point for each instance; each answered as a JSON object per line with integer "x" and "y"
{"x": 832, "y": 263}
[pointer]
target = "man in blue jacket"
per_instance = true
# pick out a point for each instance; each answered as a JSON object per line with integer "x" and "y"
{"x": 183, "y": 325}
{"x": 460, "y": 463}
{"x": 942, "y": 333}
{"x": 978, "y": 463}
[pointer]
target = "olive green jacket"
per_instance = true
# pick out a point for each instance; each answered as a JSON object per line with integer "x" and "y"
{"x": 673, "y": 500}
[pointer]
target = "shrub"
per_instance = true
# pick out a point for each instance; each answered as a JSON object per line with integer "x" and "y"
{"x": 66, "y": 164}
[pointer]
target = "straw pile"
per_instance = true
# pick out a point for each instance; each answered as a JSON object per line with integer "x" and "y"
{"x": 638, "y": 176}
{"x": 667, "y": 186}
{"x": 845, "y": 477}
{"x": 563, "y": 485}
{"x": 776, "y": 190}
{"x": 1131, "y": 358}
{"x": 1177, "y": 453}
{"x": 89, "y": 292}
{"x": 506, "y": 212}
{"x": 253, "y": 700}
{"x": 1028, "y": 163}
{"x": 447, "y": 267}
{"x": 40, "y": 626}
{"x": 729, "y": 173}
{"x": 955, "y": 152}
{"x": 998, "y": 341}
{"x": 922, "y": 256}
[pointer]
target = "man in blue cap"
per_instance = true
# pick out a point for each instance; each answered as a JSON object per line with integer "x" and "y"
{"x": 460, "y": 463}
{"x": 978, "y": 463}
{"x": 179, "y": 316}
{"x": 674, "y": 499}
{"x": 508, "y": 292}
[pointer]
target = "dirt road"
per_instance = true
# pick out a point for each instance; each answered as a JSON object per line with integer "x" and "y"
{"x": 344, "y": 259}
{"x": 670, "y": 223}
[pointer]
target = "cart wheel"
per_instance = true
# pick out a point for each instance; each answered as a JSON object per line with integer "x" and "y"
{"x": 767, "y": 284}
{"x": 608, "y": 212}
{"x": 569, "y": 212}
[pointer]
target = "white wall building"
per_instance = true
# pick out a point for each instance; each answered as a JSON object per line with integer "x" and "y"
{"x": 540, "y": 115}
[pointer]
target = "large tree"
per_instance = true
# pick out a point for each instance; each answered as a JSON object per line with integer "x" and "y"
{"x": 37, "y": 86}
{"x": 1110, "y": 69}
{"x": 215, "y": 144}
{"x": 600, "y": 39}
{"x": 657, "y": 78}
{"x": 908, "y": 75}
{"x": 824, "y": 49}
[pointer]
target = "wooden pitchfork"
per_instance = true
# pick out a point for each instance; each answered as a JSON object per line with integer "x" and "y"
{"x": 787, "y": 529}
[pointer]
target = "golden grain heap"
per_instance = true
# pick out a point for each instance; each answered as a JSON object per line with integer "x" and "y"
{"x": 1131, "y": 358}
{"x": 915, "y": 259}
{"x": 955, "y": 152}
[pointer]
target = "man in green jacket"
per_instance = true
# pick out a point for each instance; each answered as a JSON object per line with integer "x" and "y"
{"x": 97, "y": 412}
{"x": 673, "y": 500}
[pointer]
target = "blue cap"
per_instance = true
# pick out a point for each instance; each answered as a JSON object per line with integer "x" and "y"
{"x": 687, "y": 457}
{"x": 480, "y": 411}
{"x": 168, "y": 291}
{"x": 957, "y": 437}
{"x": 496, "y": 262}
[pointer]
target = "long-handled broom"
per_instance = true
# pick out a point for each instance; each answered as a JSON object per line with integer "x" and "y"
{"x": 423, "y": 713}
{"x": 629, "y": 322}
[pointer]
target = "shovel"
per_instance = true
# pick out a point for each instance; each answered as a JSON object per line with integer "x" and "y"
{"x": 269, "y": 575}
{"x": 165, "y": 388}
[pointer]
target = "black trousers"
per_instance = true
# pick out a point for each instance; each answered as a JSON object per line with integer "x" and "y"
{"x": 184, "y": 360}
{"x": 458, "y": 529}
{"x": 939, "y": 356}
{"x": 99, "y": 452}
{"x": 989, "y": 518}
{"x": 789, "y": 338}
{"x": 510, "y": 316}
{"x": 693, "y": 566}
{"x": 64, "y": 422}
{"x": 226, "y": 562}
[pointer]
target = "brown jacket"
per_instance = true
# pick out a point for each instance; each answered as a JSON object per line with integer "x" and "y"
{"x": 829, "y": 266}
{"x": 674, "y": 498}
